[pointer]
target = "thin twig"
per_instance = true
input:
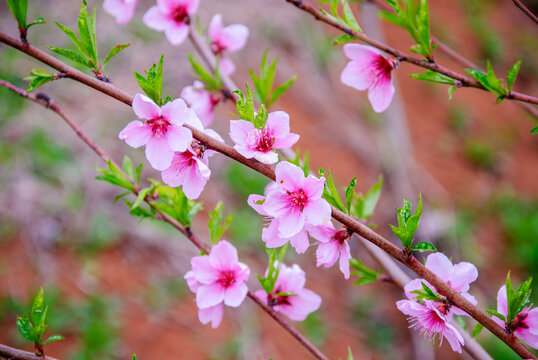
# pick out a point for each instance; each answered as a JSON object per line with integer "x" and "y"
{"x": 187, "y": 231}
{"x": 15, "y": 354}
{"x": 523, "y": 8}
{"x": 346, "y": 220}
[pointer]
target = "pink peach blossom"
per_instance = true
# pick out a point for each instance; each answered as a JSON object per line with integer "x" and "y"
{"x": 431, "y": 320}
{"x": 201, "y": 101}
{"x": 226, "y": 40}
{"x": 297, "y": 200}
{"x": 122, "y": 10}
{"x": 172, "y": 17}
{"x": 162, "y": 132}
{"x": 211, "y": 314}
{"x": 289, "y": 296}
{"x": 524, "y": 325}
{"x": 369, "y": 69}
{"x": 260, "y": 144}
{"x": 332, "y": 245}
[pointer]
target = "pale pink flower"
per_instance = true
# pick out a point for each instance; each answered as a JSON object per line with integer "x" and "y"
{"x": 220, "y": 277}
{"x": 201, "y": 101}
{"x": 294, "y": 300}
{"x": 260, "y": 144}
{"x": 211, "y": 314}
{"x": 122, "y": 10}
{"x": 162, "y": 132}
{"x": 172, "y": 17}
{"x": 431, "y": 320}
{"x": 524, "y": 325}
{"x": 190, "y": 168}
{"x": 226, "y": 40}
{"x": 297, "y": 200}
{"x": 369, "y": 69}
{"x": 333, "y": 245}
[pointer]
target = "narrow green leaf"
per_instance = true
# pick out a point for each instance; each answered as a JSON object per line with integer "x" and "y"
{"x": 451, "y": 92}
{"x": 141, "y": 196}
{"x": 433, "y": 76}
{"x": 281, "y": 89}
{"x": 53, "y": 338}
{"x": 137, "y": 172}
{"x": 349, "y": 18}
{"x": 535, "y": 130}
{"x": 390, "y": 17}
{"x": 37, "y": 21}
{"x": 330, "y": 192}
{"x": 37, "y": 307}
{"x": 512, "y": 74}
{"x": 72, "y": 55}
{"x": 115, "y": 50}
{"x": 18, "y": 9}
{"x": 477, "y": 329}
{"x": 366, "y": 204}
{"x": 350, "y": 190}
{"x": 496, "y": 314}
{"x": 344, "y": 39}
{"x": 128, "y": 168}
{"x": 424, "y": 246}
{"x": 25, "y": 328}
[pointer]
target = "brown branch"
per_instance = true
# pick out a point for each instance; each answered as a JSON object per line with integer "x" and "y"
{"x": 16, "y": 354}
{"x": 465, "y": 81}
{"x": 44, "y": 101}
{"x": 523, "y": 8}
{"x": 338, "y": 215}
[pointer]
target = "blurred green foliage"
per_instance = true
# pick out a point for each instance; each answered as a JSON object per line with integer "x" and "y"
{"x": 478, "y": 17}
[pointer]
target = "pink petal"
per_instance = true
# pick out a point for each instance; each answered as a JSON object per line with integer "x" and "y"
{"x": 327, "y": 254}
{"x": 317, "y": 212}
{"x": 532, "y": 321}
{"x": 191, "y": 281}
{"x": 262, "y": 295}
{"x": 155, "y": 19}
{"x": 193, "y": 182}
{"x": 470, "y": 298}
{"x": 363, "y": 53}
{"x": 440, "y": 265}
{"x": 209, "y": 295}
{"x": 278, "y": 122}
{"x": 234, "y": 37}
{"x": 158, "y": 153}
{"x": 270, "y": 236}
{"x": 289, "y": 176}
{"x": 168, "y": 6}
{"x": 270, "y": 157}
{"x": 235, "y": 294}
{"x": 411, "y": 308}
{"x": 179, "y": 138}
{"x": 239, "y": 130}
{"x": 212, "y": 314}
{"x": 215, "y": 27}
{"x": 176, "y": 112}
{"x": 145, "y": 108}
{"x": 502, "y": 302}
{"x": 276, "y": 204}
{"x": 135, "y": 134}
{"x": 381, "y": 93}
{"x": 286, "y": 142}
{"x": 192, "y": 5}
{"x": 203, "y": 270}
{"x": 251, "y": 201}
{"x": 313, "y": 187}
{"x": 176, "y": 32}
{"x": 226, "y": 66}
{"x": 463, "y": 274}
{"x": 200, "y": 101}
{"x": 357, "y": 75}
{"x": 203, "y": 168}
{"x": 345, "y": 256}
{"x": 122, "y": 10}
{"x": 300, "y": 241}
{"x": 223, "y": 255}
{"x": 322, "y": 233}
{"x": 290, "y": 223}
{"x": 303, "y": 304}
{"x": 291, "y": 279}
{"x": 454, "y": 338}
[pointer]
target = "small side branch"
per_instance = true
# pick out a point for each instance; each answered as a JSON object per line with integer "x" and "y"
{"x": 527, "y": 12}
{"x": 16, "y": 354}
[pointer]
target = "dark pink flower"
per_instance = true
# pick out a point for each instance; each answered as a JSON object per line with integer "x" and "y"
{"x": 260, "y": 144}
{"x": 122, "y": 10}
{"x": 201, "y": 101}
{"x": 161, "y": 132}
{"x": 333, "y": 245}
{"x": 431, "y": 319}
{"x": 289, "y": 296}
{"x": 297, "y": 200}
{"x": 172, "y": 17}
{"x": 525, "y": 324}
{"x": 220, "y": 277}
{"x": 369, "y": 69}
{"x": 226, "y": 40}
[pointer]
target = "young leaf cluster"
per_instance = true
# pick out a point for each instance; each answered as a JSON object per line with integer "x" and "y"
{"x": 275, "y": 259}
{"x": 245, "y": 109}
{"x": 85, "y": 44}
{"x": 408, "y": 225}
{"x": 32, "y": 327}
{"x": 211, "y": 80}
{"x": 493, "y": 84}
{"x": 40, "y": 77}
{"x": 363, "y": 205}
{"x": 263, "y": 84}
{"x": 415, "y": 18}
{"x": 330, "y": 193}
{"x": 426, "y": 294}
{"x": 365, "y": 274}
{"x": 216, "y": 226}
{"x": 346, "y": 19}
{"x": 19, "y": 8}
{"x": 173, "y": 202}
{"x": 517, "y": 300}
{"x": 152, "y": 83}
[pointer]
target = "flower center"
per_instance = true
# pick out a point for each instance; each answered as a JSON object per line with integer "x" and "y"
{"x": 341, "y": 236}
{"x": 227, "y": 278}
{"x": 298, "y": 199}
{"x": 180, "y": 14}
{"x": 217, "y": 47}
{"x": 261, "y": 140}
{"x": 159, "y": 126}
{"x": 273, "y": 300}
{"x": 443, "y": 307}
{"x": 518, "y": 322}
{"x": 383, "y": 66}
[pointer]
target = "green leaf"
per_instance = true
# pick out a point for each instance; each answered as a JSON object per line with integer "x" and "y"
{"x": 211, "y": 81}
{"x": 496, "y": 314}
{"x": 72, "y": 55}
{"x": 365, "y": 274}
{"x": 407, "y": 223}
{"x": 477, "y": 329}
{"x": 25, "y": 328}
{"x": 451, "y": 92}
{"x": 350, "y": 190}
{"x": 489, "y": 80}
{"x": 115, "y": 50}
{"x": 344, "y": 39}
{"x": 512, "y": 74}
{"x": 433, "y": 76}
{"x": 215, "y": 225}
{"x": 424, "y": 246}
{"x": 18, "y": 8}
{"x": 140, "y": 198}
{"x": 151, "y": 84}
{"x": 349, "y": 354}
{"x": 349, "y": 18}
{"x": 128, "y": 168}
{"x": 86, "y": 32}
{"x": 366, "y": 204}
{"x": 535, "y": 130}
{"x": 330, "y": 193}
{"x": 426, "y": 294}
{"x": 117, "y": 197}
{"x": 37, "y": 21}
{"x": 74, "y": 39}
{"x": 37, "y": 307}
{"x": 282, "y": 89}
{"x": 53, "y": 338}
{"x": 137, "y": 173}
{"x": 390, "y": 17}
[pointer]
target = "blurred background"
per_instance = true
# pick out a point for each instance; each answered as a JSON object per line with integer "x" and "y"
{"x": 115, "y": 285}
